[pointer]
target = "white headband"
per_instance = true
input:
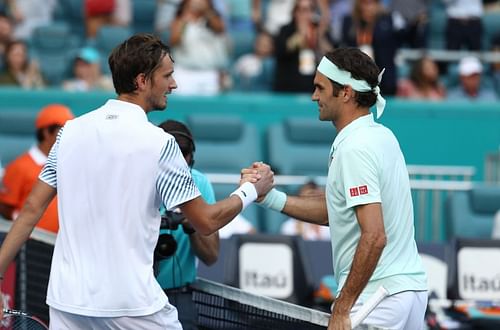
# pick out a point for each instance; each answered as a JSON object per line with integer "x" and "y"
{"x": 342, "y": 77}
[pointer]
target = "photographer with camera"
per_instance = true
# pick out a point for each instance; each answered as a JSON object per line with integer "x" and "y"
{"x": 179, "y": 244}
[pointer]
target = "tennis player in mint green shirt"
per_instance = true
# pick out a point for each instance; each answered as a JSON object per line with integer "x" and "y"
{"x": 368, "y": 203}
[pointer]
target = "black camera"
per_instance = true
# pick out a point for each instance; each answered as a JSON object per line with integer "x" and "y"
{"x": 167, "y": 245}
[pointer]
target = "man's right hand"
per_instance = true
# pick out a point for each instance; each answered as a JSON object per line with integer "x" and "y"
{"x": 261, "y": 176}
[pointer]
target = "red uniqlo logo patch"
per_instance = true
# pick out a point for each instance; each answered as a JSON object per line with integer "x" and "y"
{"x": 363, "y": 190}
{"x": 354, "y": 191}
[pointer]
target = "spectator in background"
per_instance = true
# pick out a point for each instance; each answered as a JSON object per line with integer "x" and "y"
{"x": 106, "y": 12}
{"x": 199, "y": 47}
{"x": 378, "y": 34}
{"x": 178, "y": 271}
{"x": 30, "y": 14}
{"x": 470, "y": 70}
{"x": 297, "y": 49}
{"x": 22, "y": 173}
{"x": 279, "y": 13}
{"x": 255, "y": 71}
{"x": 423, "y": 82}
{"x": 415, "y": 15}
{"x": 19, "y": 70}
{"x": 463, "y": 26}
{"x": 6, "y": 30}
{"x": 308, "y": 231}
{"x": 87, "y": 73}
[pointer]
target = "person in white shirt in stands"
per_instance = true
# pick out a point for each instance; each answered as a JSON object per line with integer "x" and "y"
{"x": 112, "y": 169}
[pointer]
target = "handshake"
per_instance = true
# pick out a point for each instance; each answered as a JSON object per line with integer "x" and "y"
{"x": 261, "y": 176}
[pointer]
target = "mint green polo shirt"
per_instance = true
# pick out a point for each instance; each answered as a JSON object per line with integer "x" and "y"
{"x": 367, "y": 166}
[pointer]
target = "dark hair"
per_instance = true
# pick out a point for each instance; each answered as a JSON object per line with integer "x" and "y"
{"x": 141, "y": 53}
{"x": 361, "y": 67}
{"x": 8, "y": 48}
{"x": 417, "y": 73}
{"x": 183, "y": 136}
{"x": 51, "y": 129}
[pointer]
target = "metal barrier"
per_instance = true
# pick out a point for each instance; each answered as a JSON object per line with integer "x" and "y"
{"x": 492, "y": 167}
{"x": 430, "y": 187}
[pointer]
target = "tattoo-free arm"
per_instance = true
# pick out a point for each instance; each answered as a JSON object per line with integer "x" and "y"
{"x": 33, "y": 209}
{"x": 370, "y": 246}
{"x": 206, "y": 248}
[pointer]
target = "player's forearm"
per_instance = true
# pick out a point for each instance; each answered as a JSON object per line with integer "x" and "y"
{"x": 307, "y": 208}
{"x": 18, "y": 234}
{"x": 365, "y": 261}
{"x": 208, "y": 218}
{"x": 206, "y": 248}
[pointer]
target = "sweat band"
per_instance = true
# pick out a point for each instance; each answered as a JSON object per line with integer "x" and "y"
{"x": 342, "y": 77}
{"x": 274, "y": 200}
{"x": 247, "y": 193}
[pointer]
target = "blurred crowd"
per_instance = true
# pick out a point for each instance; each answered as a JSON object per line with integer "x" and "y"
{"x": 253, "y": 45}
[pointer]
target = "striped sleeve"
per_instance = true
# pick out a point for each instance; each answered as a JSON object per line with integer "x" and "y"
{"x": 174, "y": 183}
{"x": 49, "y": 171}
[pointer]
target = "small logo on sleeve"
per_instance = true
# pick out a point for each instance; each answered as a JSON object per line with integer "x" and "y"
{"x": 356, "y": 191}
{"x": 363, "y": 190}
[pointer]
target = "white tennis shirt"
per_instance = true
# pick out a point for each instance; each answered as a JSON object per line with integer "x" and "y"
{"x": 112, "y": 168}
{"x": 368, "y": 167}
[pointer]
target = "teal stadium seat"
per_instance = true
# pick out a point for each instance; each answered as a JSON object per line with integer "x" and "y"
{"x": 108, "y": 37}
{"x": 71, "y": 12}
{"x": 242, "y": 42}
{"x": 437, "y": 26}
{"x": 144, "y": 12}
{"x": 225, "y": 145}
{"x": 470, "y": 213}
{"x": 491, "y": 25}
{"x": 47, "y": 44}
{"x": 297, "y": 146}
{"x": 300, "y": 146}
{"x": 17, "y": 134}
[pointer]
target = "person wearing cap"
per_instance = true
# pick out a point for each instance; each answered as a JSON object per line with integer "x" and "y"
{"x": 470, "y": 71}
{"x": 367, "y": 204}
{"x": 22, "y": 173}
{"x": 87, "y": 73}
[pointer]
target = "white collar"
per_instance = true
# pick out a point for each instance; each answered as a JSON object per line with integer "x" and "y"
{"x": 128, "y": 108}
{"x": 363, "y": 121}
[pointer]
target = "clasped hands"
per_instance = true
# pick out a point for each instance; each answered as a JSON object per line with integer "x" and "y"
{"x": 262, "y": 177}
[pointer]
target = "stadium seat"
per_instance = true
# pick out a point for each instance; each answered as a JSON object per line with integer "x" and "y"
{"x": 437, "y": 26}
{"x": 144, "y": 12}
{"x": 225, "y": 144}
{"x": 297, "y": 146}
{"x": 46, "y": 45}
{"x": 71, "y": 12}
{"x": 491, "y": 25}
{"x": 17, "y": 134}
{"x": 241, "y": 43}
{"x": 300, "y": 146}
{"x": 108, "y": 37}
{"x": 470, "y": 213}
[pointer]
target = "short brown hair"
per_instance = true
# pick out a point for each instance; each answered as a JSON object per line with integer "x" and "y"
{"x": 141, "y": 53}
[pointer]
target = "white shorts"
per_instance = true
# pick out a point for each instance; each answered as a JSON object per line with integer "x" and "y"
{"x": 165, "y": 318}
{"x": 404, "y": 310}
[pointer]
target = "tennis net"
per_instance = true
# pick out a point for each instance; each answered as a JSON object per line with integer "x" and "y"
{"x": 224, "y": 307}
